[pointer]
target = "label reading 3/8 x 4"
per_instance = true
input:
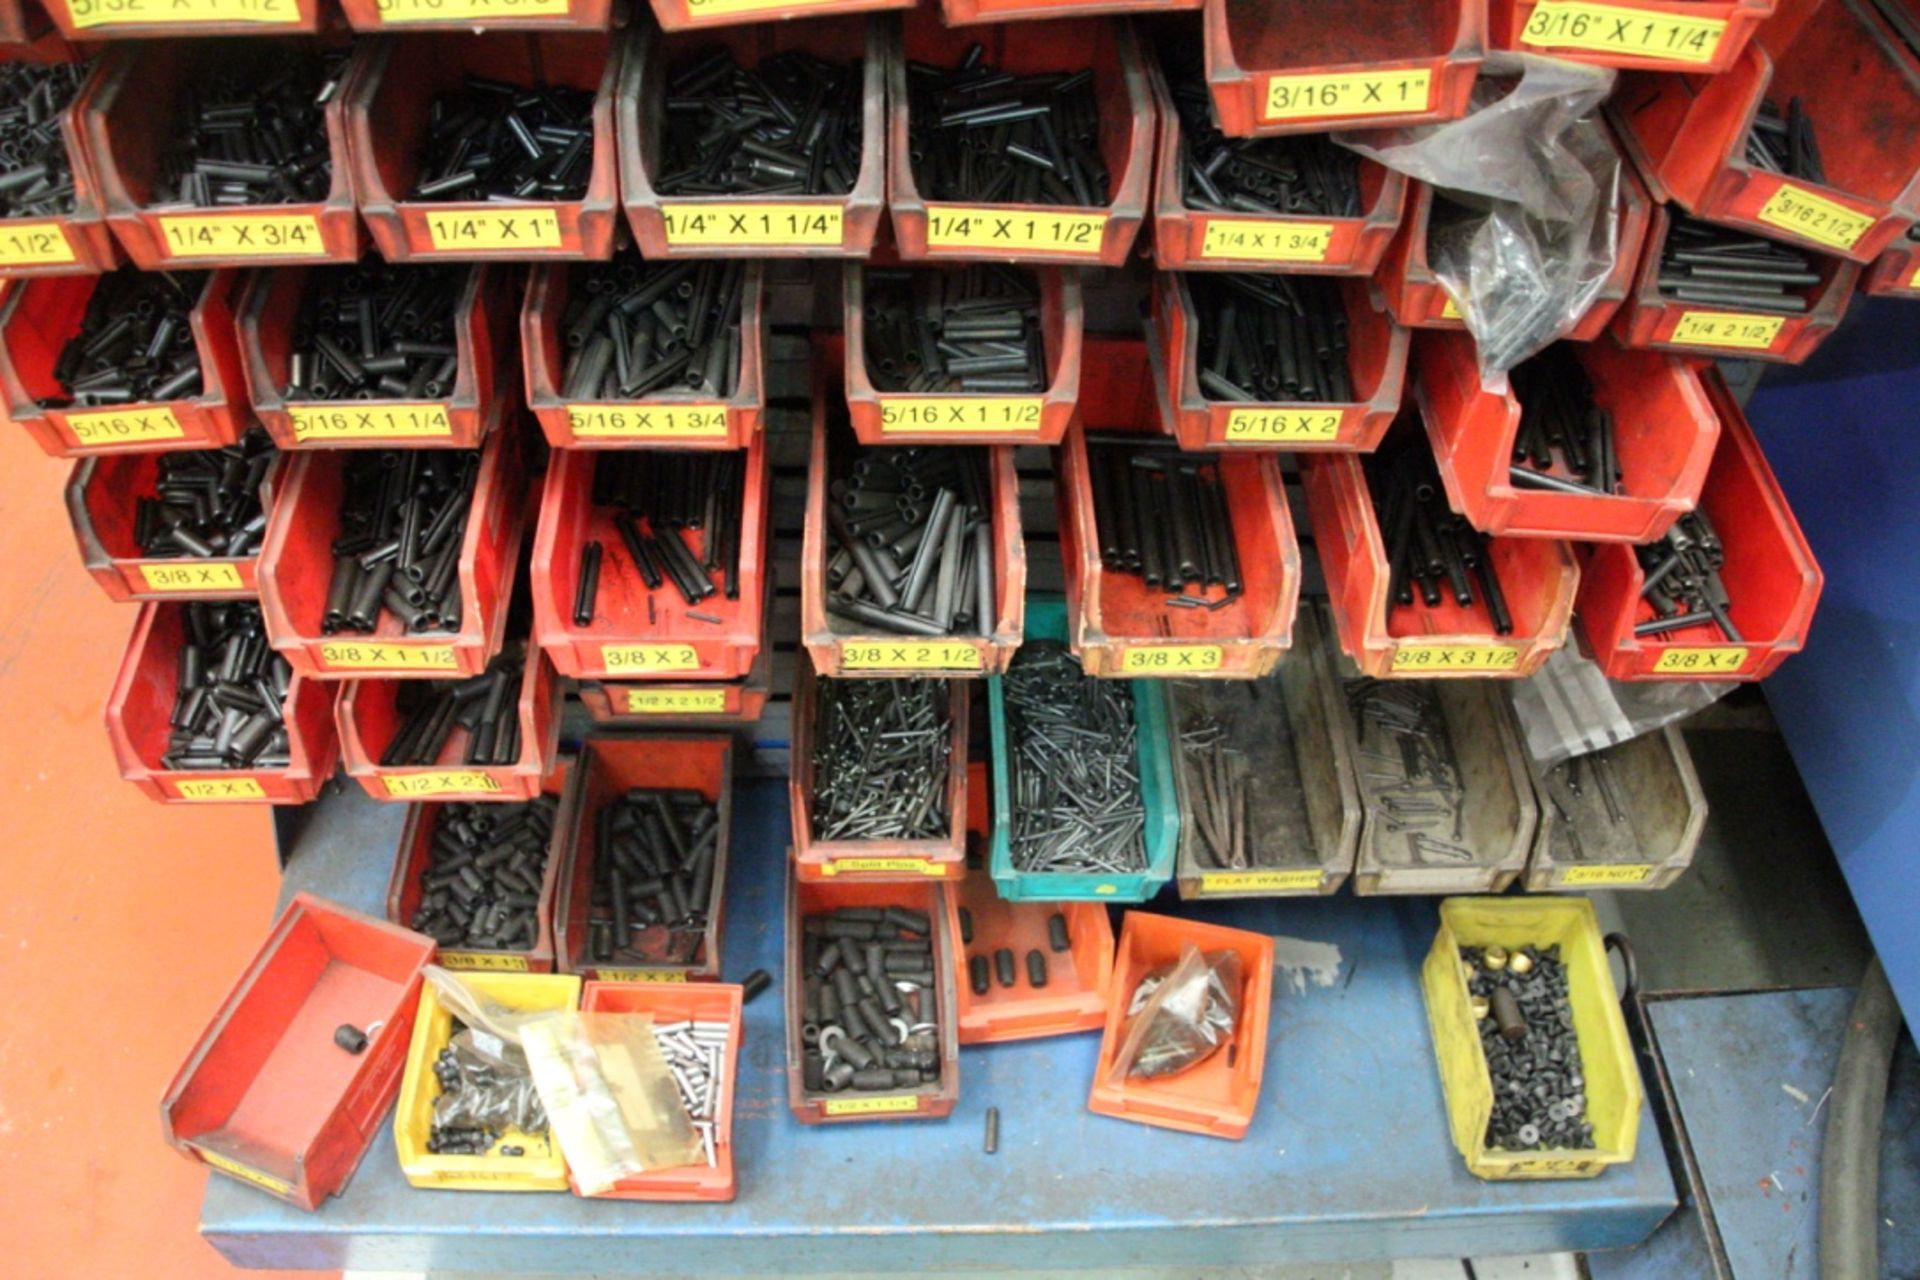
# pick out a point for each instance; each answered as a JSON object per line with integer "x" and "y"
{"x": 742, "y": 225}
{"x": 952, "y": 226}
{"x": 1352, "y": 93}
{"x": 1706, "y": 660}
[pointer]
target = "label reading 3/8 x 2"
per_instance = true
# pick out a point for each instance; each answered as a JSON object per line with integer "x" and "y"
{"x": 952, "y": 226}
{"x": 629, "y": 659}
{"x": 1352, "y": 93}
{"x": 754, "y": 224}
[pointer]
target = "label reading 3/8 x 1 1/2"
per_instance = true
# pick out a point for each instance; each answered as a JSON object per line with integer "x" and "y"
{"x": 952, "y": 226}
{"x": 745, "y": 225}
{"x": 1353, "y": 93}
{"x": 384, "y": 655}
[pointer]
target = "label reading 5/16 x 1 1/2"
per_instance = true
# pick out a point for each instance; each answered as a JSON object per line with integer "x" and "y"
{"x": 1353, "y": 93}
{"x": 1641, "y": 33}
{"x": 1010, "y": 414}
{"x": 753, "y": 224}
{"x": 951, "y": 226}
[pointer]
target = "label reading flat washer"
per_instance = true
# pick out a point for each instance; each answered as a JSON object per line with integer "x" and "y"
{"x": 1293, "y": 881}
{"x": 1638, "y": 874}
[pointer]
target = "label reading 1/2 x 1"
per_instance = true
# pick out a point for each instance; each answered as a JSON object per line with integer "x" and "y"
{"x": 380, "y": 422}
{"x": 1295, "y": 881}
{"x": 648, "y": 422}
{"x": 123, "y": 426}
{"x": 102, "y": 13}
{"x": 741, "y": 225}
{"x": 398, "y": 11}
{"x": 911, "y": 655}
{"x": 440, "y": 782}
{"x": 494, "y": 230}
{"x": 1814, "y": 217}
{"x": 1268, "y": 241}
{"x": 1640, "y": 33}
{"x": 1172, "y": 659}
{"x": 34, "y": 244}
{"x": 1415, "y": 656}
{"x": 220, "y": 789}
{"x": 879, "y": 866}
{"x": 1624, "y": 874}
{"x": 953, "y": 226}
{"x": 188, "y": 576}
{"x": 1010, "y": 414}
{"x": 495, "y": 961}
{"x": 674, "y": 702}
{"x": 639, "y": 975}
{"x": 279, "y": 1186}
{"x": 630, "y": 659}
{"x": 1284, "y": 426}
{"x": 1705, "y": 660}
{"x": 1353, "y": 93}
{"x": 384, "y": 655}
{"x": 275, "y": 235}
{"x": 870, "y": 1106}
{"x": 1726, "y": 329}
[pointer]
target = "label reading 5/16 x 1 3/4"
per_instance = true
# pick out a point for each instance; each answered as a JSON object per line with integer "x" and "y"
{"x": 648, "y": 422}
{"x": 1353, "y": 93}
{"x": 753, "y": 224}
{"x": 1640, "y": 33}
{"x": 904, "y": 414}
{"x": 953, "y": 226}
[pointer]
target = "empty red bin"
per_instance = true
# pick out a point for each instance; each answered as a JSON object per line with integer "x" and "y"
{"x": 102, "y": 497}
{"x": 77, "y": 242}
{"x": 133, "y": 19}
{"x": 1897, "y": 271}
{"x": 483, "y": 338}
{"x": 688, "y": 15}
{"x": 1293, "y": 66}
{"x": 141, "y": 705}
{"x": 1689, "y": 136}
{"x": 473, "y": 15}
{"x": 387, "y": 109}
{"x": 1664, "y": 434}
{"x": 1089, "y": 235}
{"x": 296, "y": 564}
{"x": 1701, "y": 36}
{"x": 1771, "y": 579}
{"x": 1377, "y": 364}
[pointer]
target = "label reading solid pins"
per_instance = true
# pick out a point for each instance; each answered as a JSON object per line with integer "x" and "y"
{"x": 1260, "y": 881}
{"x": 101, "y": 13}
{"x": 181, "y": 576}
{"x": 440, "y": 782}
{"x": 1726, "y": 329}
{"x": 875, "y": 866}
{"x": 381, "y": 422}
{"x": 220, "y": 789}
{"x": 399, "y": 11}
{"x": 491, "y": 230}
{"x": 123, "y": 426}
{"x": 1268, "y": 241}
{"x": 758, "y": 225}
{"x": 1640, "y": 33}
{"x": 1814, "y": 217}
{"x": 1283, "y": 426}
{"x": 1637, "y": 874}
{"x": 277, "y": 235}
{"x": 489, "y": 960}
{"x": 639, "y": 975}
{"x": 279, "y": 1186}
{"x": 1492, "y": 658}
{"x": 648, "y": 422}
{"x": 870, "y": 1106}
{"x": 674, "y": 702}
{"x": 1353, "y": 93}
{"x": 1703, "y": 660}
{"x": 34, "y": 244}
{"x": 953, "y": 226}
{"x": 385, "y": 655}
{"x": 912, "y": 655}
{"x": 1172, "y": 659}
{"x": 976, "y": 413}
{"x": 629, "y": 659}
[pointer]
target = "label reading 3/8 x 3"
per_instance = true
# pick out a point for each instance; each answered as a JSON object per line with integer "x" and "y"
{"x": 952, "y": 226}
{"x": 1352, "y": 93}
{"x": 754, "y": 224}
{"x": 1172, "y": 659}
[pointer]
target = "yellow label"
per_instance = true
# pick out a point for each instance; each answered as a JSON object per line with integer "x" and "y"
{"x": 1235, "y": 881}
{"x": 1284, "y": 425}
{"x": 911, "y": 655}
{"x": 220, "y": 789}
{"x": 1814, "y": 217}
{"x": 1705, "y": 660}
{"x": 276, "y": 235}
{"x": 279, "y": 1186}
{"x": 1106, "y": 890}
{"x": 753, "y": 224}
{"x": 1351, "y": 93}
{"x": 373, "y": 422}
{"x": 1172, "y": 659}
{"x": 1606, "y": 28}
{"x": 34, "y": 244}
{"x": 975, "y": 413}
{"x": 102, "y": 13}
{"x": 639, "y": 975}
{"x": 958, "y": 226}
{"x": 1450, "y": 310}
{"x": 627, "y": 659}
{"x": 1915, "y": 282}
{"x": 648, "y": 422}
{"x": 871, "y": 1106}
{"x": 1268, "y": 241}
{"x": 121, "y": 426}
{"x": 440, "y": 782}
{"x": 1606, "y": 875}
{"x": 385, "y": 655}
{"x": 483, "y": 960}
{"x": 1414, "y": 656}
{"x": 188, "y": 576}
{"x": 467, "y": 10}
{"x": 872, "y": 866}
{"x": 669, "y": 702}
{"x": 1727, "y": 329}
{"x": 508, "y": 230}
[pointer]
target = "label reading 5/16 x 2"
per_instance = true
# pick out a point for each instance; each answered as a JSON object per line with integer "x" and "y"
{"x": 951, "y": 226}
{"x": 903, "y": 414}
{"x": 753, "y": 224}
{"x": 1641, "y": 33}
{"x": 1353, "y": 93}
{"x": 1283, "y": 426}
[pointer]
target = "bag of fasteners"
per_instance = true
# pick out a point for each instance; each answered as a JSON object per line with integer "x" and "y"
{"x": 1180, "y": 1015}
{"x": 610, "y": 1095}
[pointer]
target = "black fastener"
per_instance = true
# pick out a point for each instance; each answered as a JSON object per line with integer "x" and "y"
{"x": 756, "y": 982}
{"x": 1682, "y": 583}
{"x": 1057, "y": 932}
{"x": 1429, "y": 548}
{"x": 488, "y": 140}
{"x": 969, "y": 329}
{"x": 1268, "y": 337}
{"x": 1003, "y": 966}
{"x": 485, "y": 708}
{"x": 1074, "y": 765}
{"x": 36, "y": 179}
{"x": 135, "y": 343}
{"x": 350, "y": 1038}
{"x": 481, "y": 884}
{"x": 403, "y": 516}
{"x": 860, "y": 1045}
{"x": 635, "y": 329}
{"x": 206, "y": 502}
{"x": 1161, "y": 515}
{"x": 653, "y": 867}
{"x": 230, "y": 695}
{"x": 965, "y": 122}
{"x": 663, "y": 495}
{"x": 1565, "y": 442}
{"x": 377, "y": 331}
{"x": 1036, "y": 968}
{"x": 252, "y": 129}
{"x": 1718, "y": 266}
{"x": 790, "y": 125}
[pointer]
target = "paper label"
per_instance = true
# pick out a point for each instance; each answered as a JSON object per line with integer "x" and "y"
{"x": 1414, "y": 656}
{"x": 1814, "y": 217}
{"x": 34, "y": 244}
{"x": 188, "y": 576}
{"x": 1106, "y": 890}
{"x": 440, "y": 782}
{"x": 1641, "y": 33}
{"x": 605, "y": 974}
{"x": 483, "y": 960}
{"x": 955, "y": 226}
{"x": 872, "y": 866}
{"x": 1915, "y": 282}
{"x": 266, "y": 1181}
{"x": 669, "y": 702}
{"x": 101, "y": 13}
{"x": 377, "y": 422}
{"x": 1352, "y": 93}
{"x": 1172, "y": 659}
{"x": 279, "y": 235}
{"x": 1606, "y": 875}
{"x": 648, "y": 422}
{"x": 626, "y": 659}
{"x": 754, "y": 224}
{"x": 912, "y": 655}
{"x": 975, "y": 413}
{"x": 385, "y": 655}
{"x": 119, "y": 426}
{"x": 467, "y": 230}
{"x": 1727, "y": 329}
{"x": 1284, "y": 426}
{"x": 1268, "y": 241}
{"x": 466, "y": 10}
{"x": 1703, "y": 660}
{"x": 220, "y": 789}
{"x": 1240, "y": 881}
{"x": 714, "y": 8}
{"x": 871, "y": 1106}
{"x": 1450, "y": 310}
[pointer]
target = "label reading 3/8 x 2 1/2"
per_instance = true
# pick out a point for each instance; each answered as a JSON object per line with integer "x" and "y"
{"x": 1353, "y": 93}
{"x": 911, "y": 655}
{"x": 753, "y": 224}
{"x": 962, "y": 227}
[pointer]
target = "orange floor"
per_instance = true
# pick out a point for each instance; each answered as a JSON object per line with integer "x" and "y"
{"x": 122, "y": 925}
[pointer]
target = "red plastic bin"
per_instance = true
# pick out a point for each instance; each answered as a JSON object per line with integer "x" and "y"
{"x": 264, "y": 1095}
{"x": 1376, "y": 359}
{"x": 14, "y": 22}
{"x": 1770, "y": 576}
{"x": 1897, "y": 271}
{"x": 606, "y": 769}
{"x": 134, "y": 19}
{"x": 1292, "y": 66}
{"x": 672, "y": 418}
{"x": 369, "y": 719}
{"x": 130, "y": 111}
{"x": 705, "y": 1002}
{"x": 1537, "y": 576}
{"x": 1650, "y": 319}
{"x": 635, "y": 633}
{"x": 684, "y": 704}
{"x": 387, "y": 125}
{"x": 77, "y": 242}
{"x": 37, "y": 319}
{"x": 141, "y": 704}
{"x": 296, "y": 563}
{"x": 1087, "y": 235}
{"x": 1664, "y": 434}
{"x": 1216, "y": 1098}
{"x": 101, "y": 494}
{"x": 925, "y": 1102}
{"x": 1688, "y": 134}
{"x": 475, "y": 15}
{"x": 483, "y": 337}
{"x": 1698, "y": 36}
{"x": 789, "y": 226}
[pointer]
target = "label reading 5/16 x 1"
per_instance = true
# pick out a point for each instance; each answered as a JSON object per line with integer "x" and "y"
{"x": 180, "y": 575}
{"x": 34, "y": 244}
{"x": 1456, "y": 657}
{"x": 489, "y": 230}
{"x": 275, "y": 235}
{"x": 1641, "y": 33}
{"x": 978, "y": 413}
{"x": 1353, "y": 93}
{"x": 951, "y": 226}
{"x": 1824, "y": 221}
{"x": 122, "y": 426}
{"x": 648, "y": 422}
{"x": 754, "y": 224}
{"x": 1268, "y": 241}
{"x": 1283, "y": 426}
{"x": 911, "y": 655}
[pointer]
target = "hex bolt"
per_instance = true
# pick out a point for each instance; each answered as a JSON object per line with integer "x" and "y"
{"x": 472, "y": 721}
{"x": 252, "y": 127}
{"x": 38, "y": 178}
{"x": 230, "y": 692}
{"x": 403, "y": 517}
{"x": 881, "y": 759}
{"x": 653, "y": 873}
{"x": 862, "y": 1047}
{"x": 134, "y": 344}
{"x": 488, "y": 140}
{"x": 964, "y": 122}
{"x": 788, "y": 125}
{"x": 486, "y": 864}
{"x": 350, "y": 1038}
{"x": 662, "y": 496}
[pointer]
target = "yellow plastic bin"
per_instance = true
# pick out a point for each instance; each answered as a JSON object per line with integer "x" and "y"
{"x": 1613, "y": 1086}
{"x": 542, "y": 1168}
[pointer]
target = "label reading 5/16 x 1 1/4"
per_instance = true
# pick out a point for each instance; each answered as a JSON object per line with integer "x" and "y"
{"x": 1353, "y": 93}
{"x": 951, "y": 226}
{"x": 376, "y": 422}
{"x": 753, "y": 224}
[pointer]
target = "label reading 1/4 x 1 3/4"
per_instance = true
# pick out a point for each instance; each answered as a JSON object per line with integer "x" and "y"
{"x": 1624, "y": 874}
{"x": 274, "y": 235}
{"x": 1706, "y": 660}
{"x": 1734, "y": 329}
{"x": 382, "y": 655}
{"x": 951, "y": 226}
{"x": 399, "y": 11}
{"x": 440, "y": 782}
{"x": 1172, "y": 659}
{"x": 1352, "y": 93}
{"x": 1456, "y": 657}
{"x": 124, "y": 426}
{"x": 490, "y": 230}
{"x": 102, "y": 13}
{"x": 220, "y": 789}
{"x": 382, "y": 422}
{"x": 675, "y": 702}
{"x": 1268, "y": 241}
{"x": 1814, "y": 217}
{"x": 1639, "y": 33}
{"x": 1284, "y": 426}
{"x": 648, "y": 422}
{"x": 630, "y": 659}
{"x": 741, "y": 226}
{"x": 1009, "y": 414}
{"x": 911, "y": 655}
{"x": 870, "y": 1106}
{"x": 1294, "y": 881}
{"x": 34, "y": 244}
{"x": 180, "y": 575}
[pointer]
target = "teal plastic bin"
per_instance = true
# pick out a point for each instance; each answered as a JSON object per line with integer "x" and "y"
{"x": 1047, "y": 620}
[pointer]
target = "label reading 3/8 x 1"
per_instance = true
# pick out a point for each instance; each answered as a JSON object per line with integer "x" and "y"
{"x": 1414, "y": 656}
{"x": 1294, "y": 881}
{"x": 900, "y": 415}
{"x": 952, "y": 226}
{"x": 1640, "y": 33}
{"x": 186, "y": 576}
{"x": 742, "y": 225}
{"x": 1268, "y": 241}
{"x": 911, "y": 655}
{"x": 490, "y": 230}
{"x": 276, "y": 235}
{"x": 1352, "y": 93}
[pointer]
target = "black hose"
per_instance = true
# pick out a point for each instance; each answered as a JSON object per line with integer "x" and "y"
{"x": 1850, "y": 1154}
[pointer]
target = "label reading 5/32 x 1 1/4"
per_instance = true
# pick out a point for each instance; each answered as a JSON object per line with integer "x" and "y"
{"x": 1353, "y": 93}
{"x": 951, "y": 226}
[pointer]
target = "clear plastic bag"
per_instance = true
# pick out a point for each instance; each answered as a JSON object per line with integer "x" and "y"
{"x": 1537, "y": 183}
{"x": 1180, "y": 1015}
{"x": 1569, "y": 708}
{"x": 615, "y": 1108}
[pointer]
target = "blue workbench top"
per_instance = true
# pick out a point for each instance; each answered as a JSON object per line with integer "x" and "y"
{"x": 1348, "y": 1157}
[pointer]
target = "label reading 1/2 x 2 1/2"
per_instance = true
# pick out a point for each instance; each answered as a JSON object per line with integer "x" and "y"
{"x": 1284, "y": 426}
{"x": 1010, "y": 414}
{"x": 490, "y": 230}
{"x": 34, "y": 244}
{"x": 1456, "y": 657}
{"x": 1641, "y": 33}
{"x": 911, "y": 655}
{"x": 1353, "y": 93}
{"x": 1267, "y": 241}
{"x": 952, "y": 226}
{"x": 648, "y": 422}
{"x": 753, "y": 224}
{"x": 675, "y": 702}
{"x": 1726, "y": 329}
{"x": 440, "y": 782}
{"x": 182, "y": 575}
{"x": 273, "y": 235}
{"x": 1814, "y": 217}
{"x": 122, "y": 426}
{"x": 605, "y": 974}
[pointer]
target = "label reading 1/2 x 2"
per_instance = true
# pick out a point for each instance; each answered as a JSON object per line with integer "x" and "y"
{"x": 384, "y": 655}
{"x": 440, "y": 782}
{"x": 34, "y": 244}
{"x": 1705, "y": 660}
{"x": 1284, "y": 426}
{"x": 398, "y": 11}
{"x": 275, "y": 235}
{"x": 1268, "y": 241}
{"x": 220, "y": 789}
{"x": 674, "y": 702}
{"x": 1735, "y": 329}
{"x": 630, "y": 659}
{"x": 870, "y": 1106}
{"x": 879, "y": 866}
{"x": 1352, "y": 93}
{"x": 1640, "y": 33}
{"x": 279, "y": 1186}
{"x": 123, "y": 426}
{"x": 490, "y": 230}
{"x": 1172, "y": 659}
{"x": 1494, "y": 658}
{"x": 953, "y": 226}
{"x": 648, "y": 422}
{"x": 102, "y": 13}
{"x": 1295, "y": 881}
{"x": 1010, "y": 414}
{"x": 1814, "y": 217}
{"x": 1624, "y": 874}
{"x": 742, "y": 225}
{"x": 911, "y": 655}
{"x": 605, "y": 974}
{"x": 380, "y": 422}
{"x": 495, "y": 961}
{"x": 181, "y": 575}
